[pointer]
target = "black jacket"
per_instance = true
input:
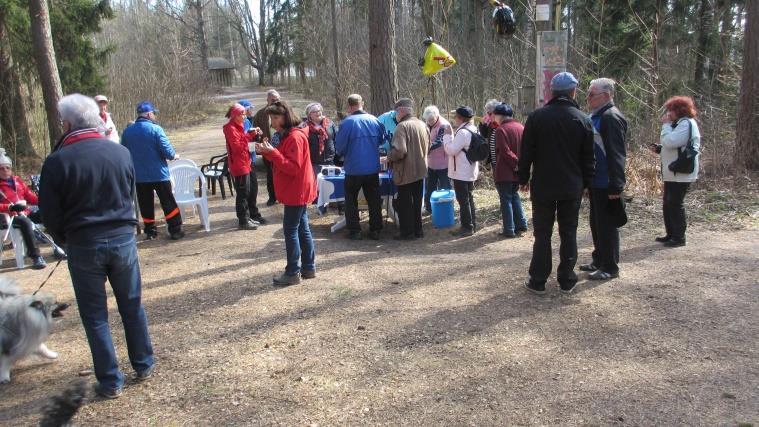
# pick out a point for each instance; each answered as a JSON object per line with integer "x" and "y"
{"x": 557, "y": 148}
{"x": 327, "y": 157}
{"x": 611, "y": 154}
{"x": 86, "y": 192}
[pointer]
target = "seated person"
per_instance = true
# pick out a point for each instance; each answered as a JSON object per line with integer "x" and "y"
{"x": 15, "y": 200}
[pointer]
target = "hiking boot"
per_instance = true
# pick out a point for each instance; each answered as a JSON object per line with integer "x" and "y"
{"x": 674, "y": 243}
{"x": 176, "y": 236}
{"x": 535, "y": 288}
{"x": 247, "y": 225}
{"x": 38, "y": 263}
{"x": 663, "y": 239}
{"x": 144, "y": 375}
{"x": 588, "y": 267}
{"x": 308, "y": 274}
{"x": 602, "y": 275}
{"x": 287, "y": 280}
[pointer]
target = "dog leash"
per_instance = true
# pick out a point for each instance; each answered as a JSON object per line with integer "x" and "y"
{"x": 48, "y": 276}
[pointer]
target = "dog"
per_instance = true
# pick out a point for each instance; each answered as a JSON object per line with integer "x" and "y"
{"x": 25, "y": 323}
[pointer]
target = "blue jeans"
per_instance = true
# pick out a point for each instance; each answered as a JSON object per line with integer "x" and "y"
{"x": 298, "y": 241}
{"x": 512, "y": 213}
{"x": 437, "y": 179}
{"x": 90, "y": 264}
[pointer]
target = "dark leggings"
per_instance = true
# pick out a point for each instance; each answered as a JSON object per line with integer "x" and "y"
{"x": 27, "y": 232}
{"x": 673, "y": 209}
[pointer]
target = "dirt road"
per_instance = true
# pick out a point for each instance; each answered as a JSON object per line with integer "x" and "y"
{"x": 432, "y": 332}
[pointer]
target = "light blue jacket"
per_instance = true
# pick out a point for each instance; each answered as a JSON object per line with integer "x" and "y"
{"x": 150, "y": 150}
{"x": 388, "y": 121}
{"x": 358, "y": 141}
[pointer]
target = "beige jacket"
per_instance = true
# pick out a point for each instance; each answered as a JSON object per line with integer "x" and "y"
{"x": 408, "y": 154}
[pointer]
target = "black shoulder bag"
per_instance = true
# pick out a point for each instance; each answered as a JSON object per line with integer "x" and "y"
{"x": 686, "y": 156}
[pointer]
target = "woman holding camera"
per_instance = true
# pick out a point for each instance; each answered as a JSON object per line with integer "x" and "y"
{"x": 238, "y": 159}
{"x": 679, "y": 129}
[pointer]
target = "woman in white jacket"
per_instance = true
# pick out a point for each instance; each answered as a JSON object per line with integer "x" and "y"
{"x": 108, "y": 128}
{"x": 461, "y": 171}
{"x": 678, "y": 129}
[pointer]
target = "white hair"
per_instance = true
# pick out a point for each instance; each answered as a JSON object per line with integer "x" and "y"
{"x": 272, "y": 92}
{"x": 82, "y": 112}
{"x": 430, "y": 111}
{"x": 604, "y": 85}
{"x": 491, "y": 104}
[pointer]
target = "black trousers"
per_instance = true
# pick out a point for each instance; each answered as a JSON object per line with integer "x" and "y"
{"x": 25, "y": 225}
{"x": 465, "y": 197}
{"x": 410, "y": 208}
{"x": 246, "y": 187}
{"x": 269, "y": 179}
{"x": 370, "y": 185}
{"x": 675, "y": 221}
{"x": 544, "y": 213}
{"x": 605, "y": 235}
{"x": 169, "y": 206}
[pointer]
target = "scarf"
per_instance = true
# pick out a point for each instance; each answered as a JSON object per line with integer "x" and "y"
{"x": 321, "y": 132}
{"x": 104, "y": 117}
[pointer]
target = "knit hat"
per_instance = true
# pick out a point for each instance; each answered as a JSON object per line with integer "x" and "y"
{"x": 4, "y": 160}
{"x": 465, "y": 112}
{"x": 503, "y": 110}
{"x": 563, "y": 81}
{"x": 313, "y": 107}
{"x": 404, "y": 103}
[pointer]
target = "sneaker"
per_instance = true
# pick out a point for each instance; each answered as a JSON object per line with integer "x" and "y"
{"x": 260, "y": 220}
{"x": 534, "y": 288}
{"x": 567, "y": 288}
{"x": 663, "y": 239}
{"x": 374, "y": 235}
{"x": 144, "y": 375}
{"x": 588, "y": 267}
{"x": 151, "y": 236}
{"x": 308, "y": 274}
{"x": 462, "y": 232}
{"x": 271, "y": 202}
{"x": 38, "y": 263}
{"x": 287, "y": 280}
{"x": 248, "y": 225}
{"x": 112, "y": 393}
{"x": 674, "y": 243}
{"x": 178, "y": 235}
{"x": 355, "y": 235}
{"x": 602, "y": 275}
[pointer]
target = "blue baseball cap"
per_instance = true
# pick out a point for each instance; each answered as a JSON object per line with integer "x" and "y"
{"x": 245, "y": 103}
{"x": 563, "y": 81}
{"x": 503, "y": 110}
{"x": 146, "y": 107}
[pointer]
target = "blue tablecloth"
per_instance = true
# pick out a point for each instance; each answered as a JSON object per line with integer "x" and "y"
{"x": 332, "y": 189}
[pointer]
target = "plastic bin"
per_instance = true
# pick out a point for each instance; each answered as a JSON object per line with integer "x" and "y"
{"x": 442, "y": 208}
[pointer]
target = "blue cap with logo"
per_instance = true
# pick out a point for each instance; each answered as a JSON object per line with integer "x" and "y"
{"x": 563, "y": 81}
{"x": 146, "y": 107}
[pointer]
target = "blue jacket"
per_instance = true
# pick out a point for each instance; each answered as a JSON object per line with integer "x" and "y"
{"x": 389, "y": 122}
{"x": 609, "y": 133}
{"x": 358, "y": 141}
{"x": 150, "y": 149}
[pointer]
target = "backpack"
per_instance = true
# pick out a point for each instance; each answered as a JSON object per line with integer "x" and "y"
{"x": 503, "y": 19}
{"x": 478, "y": 148}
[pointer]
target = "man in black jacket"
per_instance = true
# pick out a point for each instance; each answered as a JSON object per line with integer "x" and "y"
{"x": 555, "y": 165}
{"x": 86, "y": 203}
{"x": 610, "y": 128}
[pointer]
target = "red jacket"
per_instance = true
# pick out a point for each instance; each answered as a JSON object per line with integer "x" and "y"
{"x": 508, "y": 144}
{"x": 21, "y": 192}
{"x": 237, "y": 148}
{"x": 294, "y": 181}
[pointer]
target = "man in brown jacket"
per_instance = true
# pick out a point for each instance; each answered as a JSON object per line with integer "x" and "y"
{"x": 408, "y": 160}
{"x": 261, "y": 120}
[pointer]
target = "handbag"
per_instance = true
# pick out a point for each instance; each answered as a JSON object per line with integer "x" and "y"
{"x": 686, "y": 156}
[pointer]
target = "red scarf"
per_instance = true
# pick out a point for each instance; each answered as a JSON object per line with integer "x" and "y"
{"x": 104, "y": 117}
{"x": 321, "y": 132}
{"x": 80, "y": 134}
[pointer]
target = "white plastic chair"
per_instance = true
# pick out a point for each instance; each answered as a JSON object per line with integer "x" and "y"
{"x": 182, "y": 162}
{"x": 183, "y": 179}
{"x": 17, "y": 241}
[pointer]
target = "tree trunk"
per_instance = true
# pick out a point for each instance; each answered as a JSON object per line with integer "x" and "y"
{"x": 747, "y": 132}
{"x": 382, "y": 66}
{"x": 336, "y": 57}
{"x": 427, "y": 19}
{"x": 201, "y": 33}
{"x": 705, "y": 17}
{"x": 47, "y": 68}
{"x": 13, "y": 120}
{"x": 264, "y": 51}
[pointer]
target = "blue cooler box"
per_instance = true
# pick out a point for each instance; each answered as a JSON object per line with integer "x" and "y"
{"x": 442, "y": 208}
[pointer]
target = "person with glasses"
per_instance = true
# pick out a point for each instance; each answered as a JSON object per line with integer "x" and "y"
{"x": 609, "y": 133}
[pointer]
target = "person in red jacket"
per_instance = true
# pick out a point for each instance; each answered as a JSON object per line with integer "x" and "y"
{"x": 508, "y": 143}
{"x": 15, "y": 200}
{"x": 240, "y": 168}
{"x": 295, "y": 186}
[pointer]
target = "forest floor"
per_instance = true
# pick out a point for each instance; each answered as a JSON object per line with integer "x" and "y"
{"x": 436, "y": 331}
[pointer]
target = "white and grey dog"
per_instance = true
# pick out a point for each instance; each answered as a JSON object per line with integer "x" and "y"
{"x": 25, "y": 323}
